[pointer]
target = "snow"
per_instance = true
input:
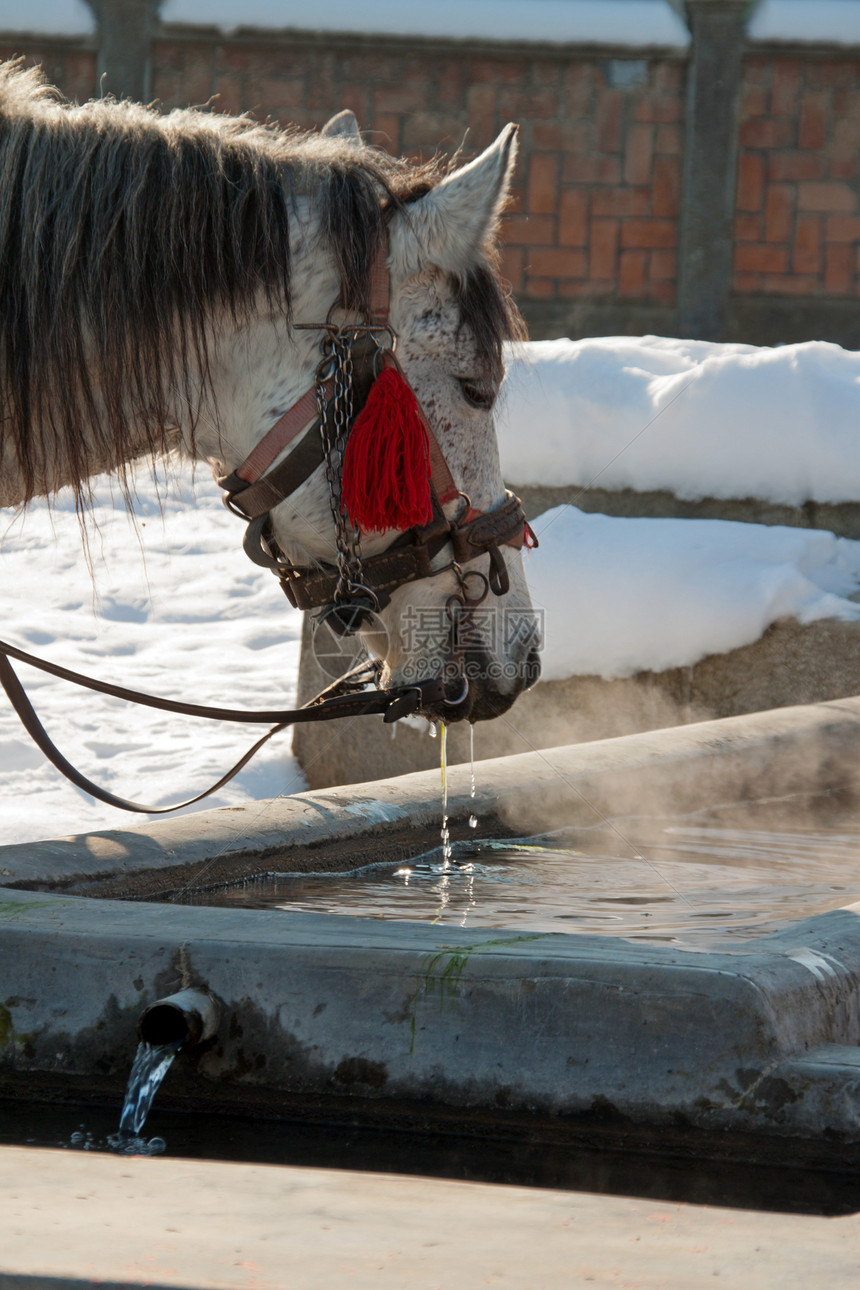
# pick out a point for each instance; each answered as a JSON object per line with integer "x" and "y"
{"x": 59, "y": 17}
{"x": 697, "y": 418}
{"x": 825, "y": 20}
{"x": 627, "y": 22}
{"x": 625, "y": 595}
{"x": 173, "y": 607}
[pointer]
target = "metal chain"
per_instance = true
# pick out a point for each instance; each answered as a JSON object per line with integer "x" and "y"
{"x": 335, "y": 422}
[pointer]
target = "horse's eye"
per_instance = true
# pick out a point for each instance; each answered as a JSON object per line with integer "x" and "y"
{"x": 476, "y": 395}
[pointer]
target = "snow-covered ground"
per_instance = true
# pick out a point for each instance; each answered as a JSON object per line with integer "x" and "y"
{"x": 173, "y": 606}
{"x": 825, "y": 20}
{"x": 697, "y": 418}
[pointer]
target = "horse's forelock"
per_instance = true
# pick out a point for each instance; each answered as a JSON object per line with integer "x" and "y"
{"x": 489, "y": 311}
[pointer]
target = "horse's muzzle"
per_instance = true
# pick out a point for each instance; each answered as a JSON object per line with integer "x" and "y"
{"x": 475, "y": 694}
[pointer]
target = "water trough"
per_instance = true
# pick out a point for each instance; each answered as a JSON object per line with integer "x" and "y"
{"x": 486, "y": 1031}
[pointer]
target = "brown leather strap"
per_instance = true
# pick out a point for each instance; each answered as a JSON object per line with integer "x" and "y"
{"x": 393, "y": 704}
{"x": 282, "y": 433}
{"x": 411, "y": 557}
{"x": 37, "y": 732}
{"x": 379, "y": 293}
{"x": 308, "y": 588}
{"x": 288, "y": 476}
{"x": 481, "y": 530}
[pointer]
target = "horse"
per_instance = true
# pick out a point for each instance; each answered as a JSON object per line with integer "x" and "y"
{"x": 185, "y": 281}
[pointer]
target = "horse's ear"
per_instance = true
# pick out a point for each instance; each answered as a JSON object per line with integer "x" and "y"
{"x": 455, "y": 219}
{"x": 343, "y": 126}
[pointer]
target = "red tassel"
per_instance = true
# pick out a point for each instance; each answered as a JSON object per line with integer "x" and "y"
{"x": 386, "y": 466}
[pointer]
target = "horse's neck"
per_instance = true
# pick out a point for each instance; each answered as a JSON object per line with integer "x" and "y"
{"x": 260, "y": 369}
{"x": 256, "y": 370}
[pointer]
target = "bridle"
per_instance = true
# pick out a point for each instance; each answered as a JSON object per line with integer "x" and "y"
{"x": 353, "y": 355}
{"x": 348, "y": 592}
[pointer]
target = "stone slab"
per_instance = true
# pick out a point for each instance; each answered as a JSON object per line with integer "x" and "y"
{"x": 841, "y": 518}
{"x": 72, "y": 1221}
{"x": 406, "y": 1019}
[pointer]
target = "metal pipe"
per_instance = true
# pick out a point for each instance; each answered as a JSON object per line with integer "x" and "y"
{"x": 187, "y": 1017}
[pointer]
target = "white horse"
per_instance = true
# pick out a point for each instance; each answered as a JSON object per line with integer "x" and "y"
{"x": 163, "y": 284}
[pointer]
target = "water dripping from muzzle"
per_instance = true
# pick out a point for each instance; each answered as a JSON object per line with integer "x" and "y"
{"x": 473, "y": 819}
{"x": 446, "y": 832}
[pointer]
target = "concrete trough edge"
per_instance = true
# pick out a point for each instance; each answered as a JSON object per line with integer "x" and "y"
{"x": 320, "y": 1008}
{"x": 759, "y": 1039}
{"x": 807, "y": 748}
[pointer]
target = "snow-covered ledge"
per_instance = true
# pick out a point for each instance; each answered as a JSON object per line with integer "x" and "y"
{"x": 651, "y": 622}
{"x": 696, "y": 421}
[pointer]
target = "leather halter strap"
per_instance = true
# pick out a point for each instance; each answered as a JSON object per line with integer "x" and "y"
{"x": 296, "y": 419}
{"x": 410, "y": 557}
{"x": 303, "y": 413}
{"x": 253, "y": 491}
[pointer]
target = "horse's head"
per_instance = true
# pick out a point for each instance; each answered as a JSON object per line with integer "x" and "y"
{"x": 460, "y": 608}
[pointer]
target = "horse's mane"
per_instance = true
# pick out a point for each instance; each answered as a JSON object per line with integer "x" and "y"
{"x": 123, "y": 231}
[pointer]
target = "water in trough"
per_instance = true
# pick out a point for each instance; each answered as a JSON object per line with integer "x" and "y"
{"x": 695, "y": 880}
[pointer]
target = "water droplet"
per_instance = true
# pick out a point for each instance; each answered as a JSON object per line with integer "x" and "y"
{"x": 76, "y": 1138}
{"x": 473, "y": 819}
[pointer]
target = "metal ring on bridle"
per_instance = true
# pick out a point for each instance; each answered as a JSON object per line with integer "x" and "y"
{"x": 464, "y": 694}
{"x": 387, "y": 331}
{"x": 327, "y": 367}
{"x": 360, "y": 589}
{"x": 379, "y": 359}
{"x": 463, "y": 579}
{"x": 453, "y": 615}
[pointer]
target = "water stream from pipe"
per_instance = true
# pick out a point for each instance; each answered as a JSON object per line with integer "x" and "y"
{"x": 151, "y": 1064}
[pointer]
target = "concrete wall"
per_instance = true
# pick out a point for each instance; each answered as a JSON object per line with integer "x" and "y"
{"x": 741, "y": 160}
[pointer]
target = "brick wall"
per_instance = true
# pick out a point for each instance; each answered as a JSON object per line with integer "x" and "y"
{"x": 70, "y": 64}
{"x": 590, "y": 241}
{"x": 797, "y": 229}
{"x": 595, "y": 209}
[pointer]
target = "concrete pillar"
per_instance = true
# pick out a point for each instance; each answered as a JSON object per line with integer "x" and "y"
{"x": 125, "y": 42}
{"x": 710, "y": 162}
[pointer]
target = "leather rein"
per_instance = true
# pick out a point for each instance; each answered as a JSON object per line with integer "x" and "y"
{"x": 319, "y": 424}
